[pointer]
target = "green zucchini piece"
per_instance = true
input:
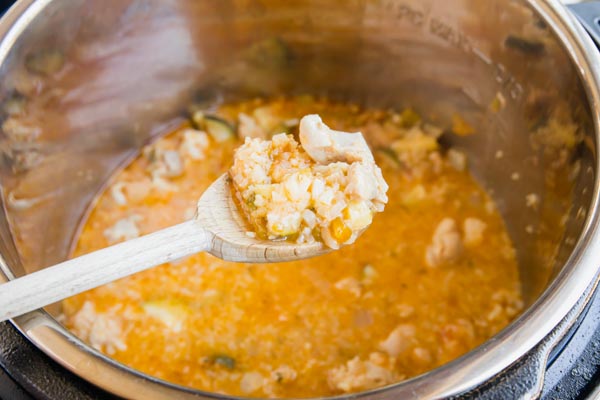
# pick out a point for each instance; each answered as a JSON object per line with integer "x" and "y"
{"x": 218, "y": 129}
{"x": 223, "y": 360}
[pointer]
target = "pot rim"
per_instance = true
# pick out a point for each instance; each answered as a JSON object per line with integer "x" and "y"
{"x": 460, "y": 375}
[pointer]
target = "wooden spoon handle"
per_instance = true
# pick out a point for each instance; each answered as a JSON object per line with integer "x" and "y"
{"x": 79, "y": 274}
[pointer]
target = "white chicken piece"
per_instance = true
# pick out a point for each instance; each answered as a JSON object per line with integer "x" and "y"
{"x": 194, "y": 144}
{"x": 123, "y": 229}
{"x": 325, "y": 145}
{"x": 474, "y": 229}
{"x": 103, "y": 331}
{"x": 446, "y": 245}
{"x": 248, "y": 127}
{"x": 366, "y": 182}
{"x": 358, "y": 374}
{"x": 399, "y": 340}
{"x": 116, "y": 191}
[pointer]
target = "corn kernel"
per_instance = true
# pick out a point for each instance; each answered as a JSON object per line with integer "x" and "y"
{"x": 340, "y": 232}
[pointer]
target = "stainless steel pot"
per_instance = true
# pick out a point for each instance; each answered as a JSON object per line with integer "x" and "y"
{"x": 508, "y": 67}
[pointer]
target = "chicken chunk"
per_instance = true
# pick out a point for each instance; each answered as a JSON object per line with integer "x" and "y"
{"x": 359, "y": 374}
{"x": 194, "y": 144}
{"x": 123, "y": 229}
{"x": 251, "y": 382}
{"x": 103, "y": 331}
{"x": 399, "y": 340}
{"x": 473, "y": 229}
{"x": 446, "y": 245}
{"x": 324, "y": 145}
{"x": 248, "y": 127}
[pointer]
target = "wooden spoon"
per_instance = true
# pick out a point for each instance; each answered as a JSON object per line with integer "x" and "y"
{"x": 217, "y": 228}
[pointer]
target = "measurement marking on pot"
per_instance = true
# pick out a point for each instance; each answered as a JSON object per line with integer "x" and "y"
{"x": 451, "y": 35}
{"x": 405, "y": 12}
{"x": 504, "y": 78}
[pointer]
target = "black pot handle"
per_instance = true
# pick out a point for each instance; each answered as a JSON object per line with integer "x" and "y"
{"x": 588, "y": 14}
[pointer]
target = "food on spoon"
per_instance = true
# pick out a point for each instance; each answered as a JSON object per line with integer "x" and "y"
{"x": 325, "y": 188}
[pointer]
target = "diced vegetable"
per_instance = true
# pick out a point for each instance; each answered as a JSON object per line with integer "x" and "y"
{"x": 218, "y": 129}
{"x": 223, "y": 360}
{"x": 289, "y": 126}
{"x": 340, "y": 231}
{"x": 198, "y": 119}
{"x": 316, "y": 232}
{"x": 250, "y": 202}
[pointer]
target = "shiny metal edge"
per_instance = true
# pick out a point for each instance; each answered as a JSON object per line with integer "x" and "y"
{"x": 451, "y": 379}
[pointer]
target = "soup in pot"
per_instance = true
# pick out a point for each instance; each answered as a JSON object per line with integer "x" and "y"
{"x": 434, "y": 276}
